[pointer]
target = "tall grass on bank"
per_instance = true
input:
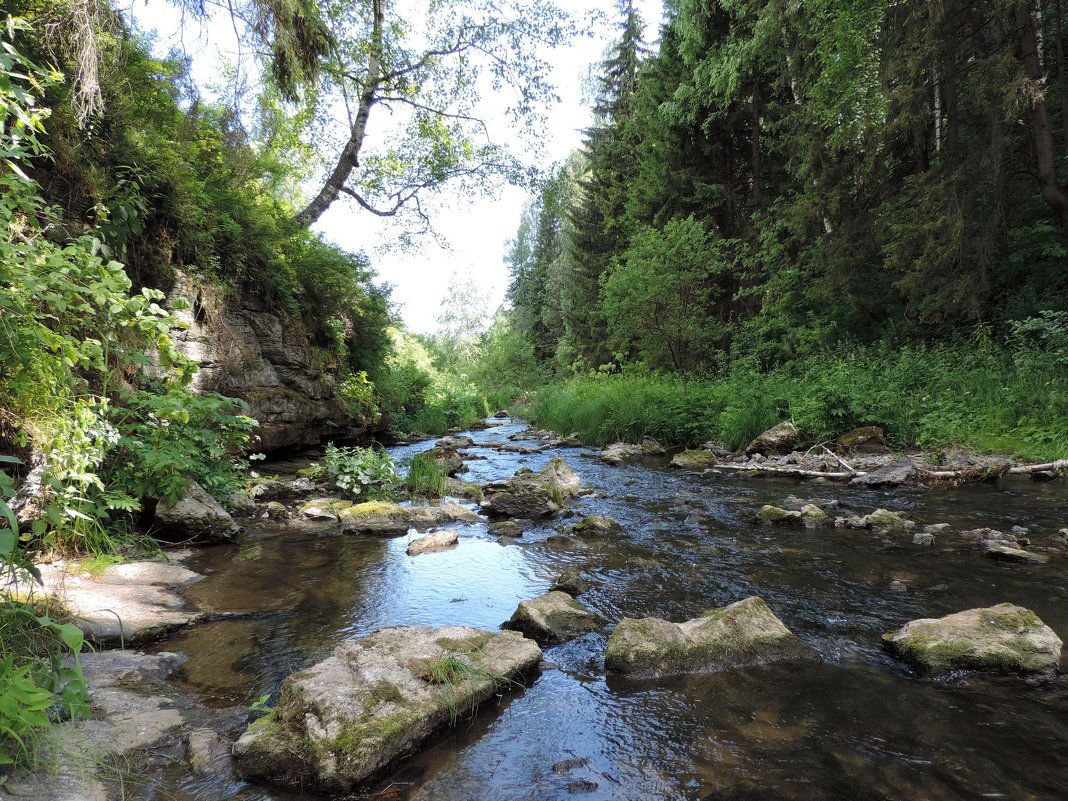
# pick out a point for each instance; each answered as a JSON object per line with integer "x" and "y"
{"x": 927, "y": 397}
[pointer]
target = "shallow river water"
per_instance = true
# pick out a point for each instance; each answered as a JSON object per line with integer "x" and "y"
{"x": 859, "y": 726}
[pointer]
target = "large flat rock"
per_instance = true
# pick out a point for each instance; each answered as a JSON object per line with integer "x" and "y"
{"x": 739, "y": 635}
{"x": 377, "y": 699}
{"x": 131, "y": 603}
{"x": 389, "y": 519}
{"x": 1006, "y": 639}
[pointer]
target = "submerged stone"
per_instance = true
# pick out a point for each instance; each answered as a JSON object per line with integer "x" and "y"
{"x": 571, "y": 581}
{"x": 741, "y": 634}
{"x": 552, "y": 617}
{"x": 999, "y": 639}
{"x": 377, "y": 699}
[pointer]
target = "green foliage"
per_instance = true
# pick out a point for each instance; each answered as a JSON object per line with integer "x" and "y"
{"x": 657, "y": 296}
{"x": 39, "y": 669}
{"x": 420, "y": 397}
{"x": 426, "y": 477}
{"x": 361, "y": 473}
{"x": 927, "y": 397}
{"x": 358, "y": 396}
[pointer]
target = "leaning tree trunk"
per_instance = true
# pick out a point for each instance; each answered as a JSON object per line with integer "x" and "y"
{"x": 348, "y": 160}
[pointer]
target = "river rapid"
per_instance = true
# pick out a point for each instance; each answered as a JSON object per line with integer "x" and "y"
{"x": 859, "y": 726}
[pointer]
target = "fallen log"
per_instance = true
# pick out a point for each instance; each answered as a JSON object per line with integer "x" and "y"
{"x": 788, "y": 471}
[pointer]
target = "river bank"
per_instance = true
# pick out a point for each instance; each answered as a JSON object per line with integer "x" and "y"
{"x": 293, "y": 588}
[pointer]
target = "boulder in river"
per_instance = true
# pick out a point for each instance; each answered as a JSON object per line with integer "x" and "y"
{"x": 782, "y": 438}
{"x": 454, "y": 442}
{"x": 389, "y": 519}
{"x": 532, "y": 495}
{"x": 551, "y": 618}
{"x": 434, "y": 541}
{"x": 775, "y": 514}
{"x": 814, "y": 515}
{"x": 571, "y": 581}
{"x": 376, "y": 699}
{"x": 741, "y": 634}
{"x": 867, "y": 440}
{"x": 999, "y": 639}
{"x": 618, "y": 453}
{"x": 447, "y": 459}
{"x": 196, "y": 517}
{"x": 596, "y": 526}
{"x": 694, "y": 460}
{"x": 997, "y": 550}
{"x": 650, "y": 447}
{"x": 885, "y": 519}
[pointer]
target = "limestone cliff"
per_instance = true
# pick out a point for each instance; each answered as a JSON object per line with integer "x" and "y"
{"x": 249, "y": 350}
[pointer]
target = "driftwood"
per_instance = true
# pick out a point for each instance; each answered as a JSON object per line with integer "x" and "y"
{"x": 966, "y": 474}
{"x": 787, "y": 471}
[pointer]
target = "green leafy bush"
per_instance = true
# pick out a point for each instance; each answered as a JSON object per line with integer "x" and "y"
{"x": 363, "y": 473}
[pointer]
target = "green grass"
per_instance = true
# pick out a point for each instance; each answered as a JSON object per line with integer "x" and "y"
{"x": 989, "y": 399}
{"x": 426, "y": 478}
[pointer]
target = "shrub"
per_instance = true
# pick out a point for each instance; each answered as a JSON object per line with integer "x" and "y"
{"x": 363, "y": 473}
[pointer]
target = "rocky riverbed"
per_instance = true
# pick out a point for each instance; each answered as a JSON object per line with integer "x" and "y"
{"x": 693, "y": 644}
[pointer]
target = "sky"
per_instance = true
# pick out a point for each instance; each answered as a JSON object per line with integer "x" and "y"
{"x": 476, "y": 232}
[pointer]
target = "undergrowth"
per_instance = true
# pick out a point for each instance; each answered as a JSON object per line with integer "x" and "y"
{"x": 991, "y": 398}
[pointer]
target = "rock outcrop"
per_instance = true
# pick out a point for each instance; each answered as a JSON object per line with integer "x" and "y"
{"x": 741, "y": 634}
{"x": 530, "y": 495}
{"x": 247, "y": 349}
{"x": 1005, "y": 639}
{"x": 551, "y": 618}
{"x": 377, "y": 699}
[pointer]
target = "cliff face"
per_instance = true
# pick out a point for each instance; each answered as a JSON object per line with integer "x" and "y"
{"x": 248, "y": 350}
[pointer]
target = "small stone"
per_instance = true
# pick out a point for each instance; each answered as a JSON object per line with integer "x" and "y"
{"x": 650, "y": 447}
{"x": 566, "y": 765}
{"x": 936, "y": 528}
{"x": 618, "y": 453}
{"x": 571, "y": 582}
{"x": 899, "y": 587}
{"x": 923, "y": 538}
{"x": 1020, "y": 531}
{"x": 506, "y": 528}
{"x": 435, "y": 541}
{"x": 582, "y": 786}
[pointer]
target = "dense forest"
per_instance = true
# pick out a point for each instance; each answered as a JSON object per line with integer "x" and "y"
{"x": 841, "y": 205}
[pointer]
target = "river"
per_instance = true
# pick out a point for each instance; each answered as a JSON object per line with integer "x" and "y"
{"x": 859, "y": 726}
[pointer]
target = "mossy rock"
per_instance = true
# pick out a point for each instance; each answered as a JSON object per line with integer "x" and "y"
{"x": 775, "y": 514}
{"x": 738, "y": 635}
{"x": 552, "y": 617}
{"x": 810, "y": 513}
{"x": 1004, "y": 639}
{"x": 344, "y": 721}
{"x": 693, "y": 460}
{"x": 597, "y": 526}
